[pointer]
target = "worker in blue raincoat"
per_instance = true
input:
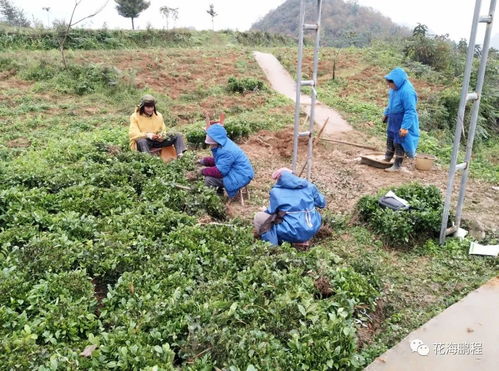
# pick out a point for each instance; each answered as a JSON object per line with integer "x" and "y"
{"x": 402, "y": 117}
{"x": 292, "y": 215}
{"x": 229, "y": 167}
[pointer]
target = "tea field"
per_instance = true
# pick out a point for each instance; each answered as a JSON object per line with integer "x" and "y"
{"x": 110, "y": 259}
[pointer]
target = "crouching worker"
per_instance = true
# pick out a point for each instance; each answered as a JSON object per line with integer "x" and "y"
{"x": 148, "y": 131}
{"x": 229, "y": 168}
{"x": 292, "y": 215}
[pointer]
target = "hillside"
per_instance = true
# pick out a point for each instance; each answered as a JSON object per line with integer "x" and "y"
{"x": 110, "y": 259}
{"x": 343, "y": 23}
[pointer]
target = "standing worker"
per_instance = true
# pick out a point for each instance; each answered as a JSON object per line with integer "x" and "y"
{"x": 292, "y": 215}
{"x": 148, "y": 131}
{"x": 403, "y": 124}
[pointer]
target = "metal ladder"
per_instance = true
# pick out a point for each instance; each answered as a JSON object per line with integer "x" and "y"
{"x": 315, "y": 28}
{"x": 465, "y": 97}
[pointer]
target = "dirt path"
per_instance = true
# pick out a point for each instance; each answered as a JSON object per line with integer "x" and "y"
{"x": 281, "y": 81}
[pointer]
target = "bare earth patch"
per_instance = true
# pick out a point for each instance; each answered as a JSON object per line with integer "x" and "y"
{"x": 343, "y": 180}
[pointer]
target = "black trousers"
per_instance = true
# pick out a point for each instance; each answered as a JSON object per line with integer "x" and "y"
{"x": 145, "y": 144}
{"x": 393, "y": 149}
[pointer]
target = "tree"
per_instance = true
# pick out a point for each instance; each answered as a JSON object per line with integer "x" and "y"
{"x": 131, "y": 8}
{"x": 47, "y": 9}
{"x": 462, "y": 46}
{"x": 66, "y": 27}
{"x": 13, "y": 16}
{"x": 212, "y": 14}
{"x": 420, "y": 30}
{"x": 175, "y": 16}
{"x": 169, "y": 12}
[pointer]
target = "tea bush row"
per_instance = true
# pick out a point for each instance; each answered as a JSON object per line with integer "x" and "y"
{"x": 85, "y": 212}
{"x": 236, "y": 129}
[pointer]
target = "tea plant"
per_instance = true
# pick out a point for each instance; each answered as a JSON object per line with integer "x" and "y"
{"x": 244, "y": 85}
{"x": 406, "y": 227}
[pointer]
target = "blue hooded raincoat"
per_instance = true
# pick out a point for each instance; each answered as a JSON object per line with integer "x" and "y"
{"x": 299, "y": 199}
{"x": 230, "y": 160}
{"x": 401, "y": 112}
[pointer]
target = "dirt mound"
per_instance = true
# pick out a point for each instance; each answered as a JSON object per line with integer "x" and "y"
{"x": 280, "y": 142}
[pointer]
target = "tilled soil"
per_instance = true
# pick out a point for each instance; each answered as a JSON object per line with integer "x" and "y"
{"x": 341, "y": 177}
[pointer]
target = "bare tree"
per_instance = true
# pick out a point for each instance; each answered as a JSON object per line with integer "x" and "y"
{"x": 47, "y": 9}
{"x": 212, "y": 14}
{"x": 168, "y": 12}
{"x": 67, "y": 27}
{"x": 174, "y": 12}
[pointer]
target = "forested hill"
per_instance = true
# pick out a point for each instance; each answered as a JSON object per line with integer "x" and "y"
{"x": 343, "y": 23}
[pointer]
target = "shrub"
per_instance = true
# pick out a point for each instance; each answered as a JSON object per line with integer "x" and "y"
{"x": 75, "y": 79}
{"x": 236, "y": 129}
{"x": 437, "y": 52}
{"x": 196, "y": 135}
{"x": 244, "y": 85}
{"x": 409, "y": 227}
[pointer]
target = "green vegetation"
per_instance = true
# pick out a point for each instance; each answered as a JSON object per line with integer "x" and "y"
{"x": 113, "y": 254}
{"x": 96, "y": 212}
{"x": 236, "y": 130}
{"x": 119, "y": 39}
{"x": 408, "y": 227}
{"x": 13, "y": 16}
{"x": 131, "y": 8}
{"x": 342, "y": 23}
{"x": 359, "y": 92}
{"x": 244, "y": 85}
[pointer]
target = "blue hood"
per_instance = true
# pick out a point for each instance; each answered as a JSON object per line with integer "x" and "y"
{"x": 218, "y": 133}
{"x": 398, "y": 76}
{"x": 290, "y": 181}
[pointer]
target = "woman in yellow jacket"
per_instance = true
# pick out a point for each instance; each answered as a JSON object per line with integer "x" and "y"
{"x": 147, "y": 129}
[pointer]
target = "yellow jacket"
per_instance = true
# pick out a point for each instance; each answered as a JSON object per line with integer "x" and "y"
{"x": 142, "y": 124}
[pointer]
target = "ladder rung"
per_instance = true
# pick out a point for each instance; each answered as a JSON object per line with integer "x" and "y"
{"x": 308, "y": 26}
{"x": 308, "y": 83}
{"x": 304, "y": 134}
{"x": 485, "y": 19}
{"x": 461, "y": 166}
{"x": 471, "y": 96}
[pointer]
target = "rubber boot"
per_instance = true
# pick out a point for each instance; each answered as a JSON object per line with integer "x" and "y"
{"x": 396, "y": 165}
{"x": 388, "y": 156}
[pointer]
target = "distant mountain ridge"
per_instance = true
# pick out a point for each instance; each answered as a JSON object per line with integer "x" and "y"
{"x": 343, "y": 23}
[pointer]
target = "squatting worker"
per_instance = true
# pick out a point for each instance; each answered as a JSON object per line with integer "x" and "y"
{"x": 148, "y": 131}
{"x": 292, "y": 215}
{"x": 402, "y": 118}
{"x": 229, "y": 168}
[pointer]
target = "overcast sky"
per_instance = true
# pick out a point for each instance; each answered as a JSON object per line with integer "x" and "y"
{"x": 441, "y": 16}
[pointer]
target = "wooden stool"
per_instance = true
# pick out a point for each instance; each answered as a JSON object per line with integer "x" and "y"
{"x": 243, "y": 191}
{"x": 240, "y": 194}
